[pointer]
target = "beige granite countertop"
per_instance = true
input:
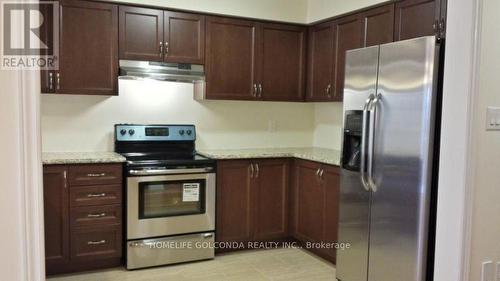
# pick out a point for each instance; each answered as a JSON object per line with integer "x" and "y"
{"x": 322, "y": 155}
{"x": 49, "y": 158}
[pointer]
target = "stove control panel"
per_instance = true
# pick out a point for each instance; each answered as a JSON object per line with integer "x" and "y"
{"x": 128, "y": 132}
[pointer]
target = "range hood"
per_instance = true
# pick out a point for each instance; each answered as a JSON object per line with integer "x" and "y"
{"x": 173, "y": 72}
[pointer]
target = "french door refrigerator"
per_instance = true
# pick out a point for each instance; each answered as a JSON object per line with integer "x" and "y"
{"x": 387, "y": 183}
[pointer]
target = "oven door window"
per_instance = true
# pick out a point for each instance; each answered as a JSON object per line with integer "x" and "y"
{"x": 171, "y": 198}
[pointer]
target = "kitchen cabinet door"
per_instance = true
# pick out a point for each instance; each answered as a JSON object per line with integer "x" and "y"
{"x": 331, "y": 183}
{"x": 184, "y": 38}
{"x": 234, "y": 201}
{"x": 283, "y": 58}
{"x": 56, "y": 217}
{"x": 416, "y": 18}
{"x": 349, "y": 35}
{"x": 88, "y": 48}
{"x": 310, "y": 210}
{"x": 230, "y": 58}
{"x": 141, "y": 34}
{"x": 321, "y": 60}
{"x": 379, "y": 25}
{"x": 271, "y": 203}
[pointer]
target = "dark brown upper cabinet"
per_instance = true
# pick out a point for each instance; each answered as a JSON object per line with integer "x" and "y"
{"x": 379, "y": 25}
{"x": 329, "y": 42}
{"x": 321, "y": 60}
{"x": 88, "y": 50}
{"x": 230, "y": 58}
{"x": 141, "y": 34}
{"x": 163, "y": 36}
{"x": 416, "y": 18}
{"x": 247, "y": 60}
{"x": 283, "y": 55}
{"x": 349, "y": 33}
{"x": 184, "y": 38}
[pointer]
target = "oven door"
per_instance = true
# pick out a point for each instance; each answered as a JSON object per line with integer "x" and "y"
{"x": 170, "y": 205}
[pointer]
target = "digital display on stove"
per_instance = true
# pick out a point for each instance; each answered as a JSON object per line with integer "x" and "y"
{"x": 157, "y": 132}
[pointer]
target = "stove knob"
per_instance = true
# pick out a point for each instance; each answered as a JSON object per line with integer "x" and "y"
{"x": 189, "y": 132}
{"x": 181, "y": 132}
{"x": 123, "y": 132}
{"x": 131, "y": 132}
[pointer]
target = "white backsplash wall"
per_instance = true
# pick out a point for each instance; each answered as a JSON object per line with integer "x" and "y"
{"x": 85, "y": 123}
{"x": 328, "y": 125}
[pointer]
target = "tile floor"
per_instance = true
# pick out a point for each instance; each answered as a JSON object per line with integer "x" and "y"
{"x": 276, "y": 264}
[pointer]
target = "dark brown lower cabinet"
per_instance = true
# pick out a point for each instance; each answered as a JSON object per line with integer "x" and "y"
{"x": 56, "y": 217}
{"x": 83, "y": 223}
{"x": 314, "y": 211}
{"x": 252, "y": 200}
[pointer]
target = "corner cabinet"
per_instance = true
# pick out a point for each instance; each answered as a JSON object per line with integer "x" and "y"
{"x": 247, "y": 60}
{"x": 329, "y": 42}
{"x": 315, "y": 205}
{"x": 162, "y": 36}
{"x": 252, "y": 200}
{"x": 83, "y": 217}
{"x": 88, "y": 50}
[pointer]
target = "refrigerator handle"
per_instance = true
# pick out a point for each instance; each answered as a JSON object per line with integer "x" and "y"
{"x": 364, "y": 141}
{"x": 371, "y": 141}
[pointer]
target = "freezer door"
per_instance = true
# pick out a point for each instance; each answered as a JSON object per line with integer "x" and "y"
{"x": 403, "y": 144}
{"x": 360, "y": 82}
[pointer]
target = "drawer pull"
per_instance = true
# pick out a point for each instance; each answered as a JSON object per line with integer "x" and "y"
{"x": 93, "y": 195}
{"x": 96, "y": 175}
{"x": 96, "y": 242}
{"x": 96, "y": 215}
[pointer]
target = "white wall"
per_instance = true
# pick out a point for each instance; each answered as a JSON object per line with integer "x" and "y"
{"x": 85, "y": 123}
{"x": 328, "y": 125}
{"x": 486, "y": 208}
{"x": 282, "y": 10}
{"x": 321, "y": 9}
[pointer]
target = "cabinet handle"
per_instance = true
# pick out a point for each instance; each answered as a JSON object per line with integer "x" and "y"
{"x": 94, "y": 195}
{"x": 161, "y": 49}
{"x": 58, "y": 81}
{"x": 96, "y": 242}
{"x": 51, "y": 81}
{"x": 166, "y": 48}
{"x": 96, "y": 215}
{"x": 255, "y": 90}
{"x": 260, "y": 90}
{"x": 435, "y": 26}
{"x": 257, "y": 170}
{"x": 317, "y": 172}
{"x": 251, "y": 170}
{"x": 65, "y": 175}
{"x": 99, "y": 175}
{"x": 328, "y": 90}
{"x": 321, "y": 174}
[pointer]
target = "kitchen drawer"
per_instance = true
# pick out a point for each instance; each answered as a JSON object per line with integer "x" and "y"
{"x": 95, "y": 195}
{"x": 95, "y": 243}
{"x": 95, "y": 174}
{"x": 96, "y": 216}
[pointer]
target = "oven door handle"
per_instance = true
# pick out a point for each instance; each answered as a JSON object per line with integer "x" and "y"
{"x": 169, "y": 171}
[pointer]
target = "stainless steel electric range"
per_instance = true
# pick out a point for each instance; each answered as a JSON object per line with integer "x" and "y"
{"x": 170, "y": 195}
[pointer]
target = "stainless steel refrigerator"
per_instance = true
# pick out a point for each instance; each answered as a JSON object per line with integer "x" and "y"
{"x": 387, "y": 182}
